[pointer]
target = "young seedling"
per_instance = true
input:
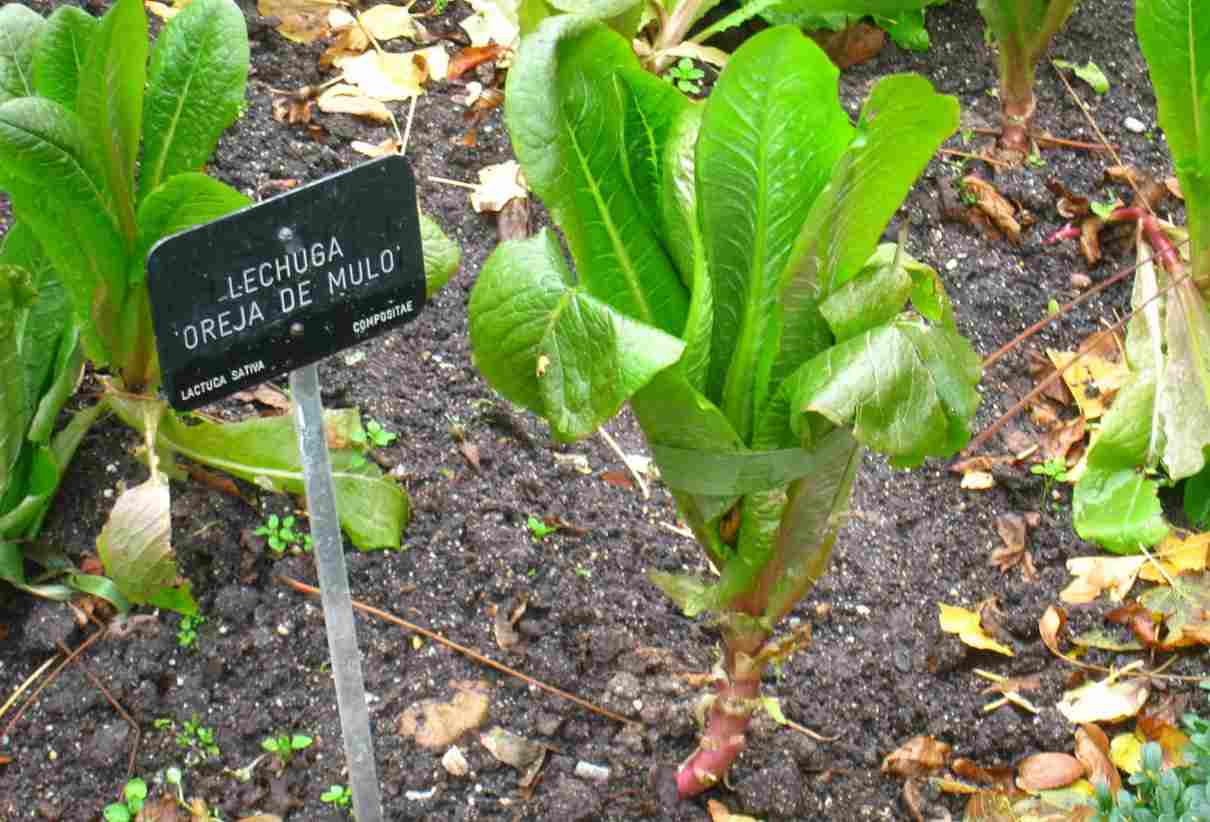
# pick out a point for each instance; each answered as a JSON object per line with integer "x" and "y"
{"x": 197, "y": 740}
{"x": 284, "y": 746}
{"x": 538, "y": 529}
{"x": 758, "y": 331}
{"x": 133, "y": 797}
{"x": 373, "y": 435}
{"x": 685, "y": 76}
{"x": 280, "y": 535}
{"x": 1023, "y": 30}
{"x": 186, "y": 634}
{"x": 338, "y": 796}
{"x": 1052, "y": 470}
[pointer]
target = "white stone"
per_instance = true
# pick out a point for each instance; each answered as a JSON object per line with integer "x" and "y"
{"x": 455, "y": 762}
{"x": 1134, "y": 124}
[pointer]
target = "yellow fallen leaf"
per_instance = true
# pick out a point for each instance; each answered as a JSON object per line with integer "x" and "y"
{"x": 1101, "y": 573}
{"x": 965, "y": 624}
{"x": 386, "y": 22}
{"x": 388, "y": 146}
{"x": 302, "y": 21}
{"x": 978, "y": 481}
{"x": 1177, "y": 555}
{"x": 385, "y": 76}
{"x": 494, "y": 21}
{"x": 346, "y": 99}
{"x": 498, "y": 184}
{"x": 1104, "y": 701}
{"x": 1126, "y": 751}
{"x": 918, "y": 756}
{"x": 719, "y": 813}
{"x": 1093, "y": 381}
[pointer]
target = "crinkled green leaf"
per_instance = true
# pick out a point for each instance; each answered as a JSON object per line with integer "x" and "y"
{"x": 373, "y": 509}
{"x": 771, "y": 133}
{"x": 873, "y": 297}
{"x": 20, "y": 28}
{"x": 442, "y": 255}
{"x": 906, "y": 389}
{"x": 15, "y": 410}
{"x": 1090, "y": 73}
{"x": 552, "y": 347}
{"x": 564, "y": 116}
{"x": 110, "y": 103}
{"x": 1174, "y": 36}
{"x": 907, "y": 29}
{"x": 59, "y": 60}
{"x": 1113, "y": 504}
{"x": 836, "y": 14}
{"x": 58, "y": 193}
{"x": 195, "y": 88}
{"x": 135, "y": 546}
{"x": 183, "y": 201}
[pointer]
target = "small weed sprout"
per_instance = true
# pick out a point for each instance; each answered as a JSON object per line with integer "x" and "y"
{"x": 198, "y": 741}
{"x": 134, "y": 795}
{"x": 280, "y": 535}
{"x": 373, "y": 435}
{"x": 338, "y": 796}
{"x": 539, "y": 529}
{"x": 1052, "y": 471}
{"x": 284, "y": 746}
{"x": 685, "y": 76}
{"x": 186, "y": 634}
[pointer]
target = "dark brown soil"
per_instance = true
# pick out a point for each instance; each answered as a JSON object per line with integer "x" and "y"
{"x": 877, "y": 672}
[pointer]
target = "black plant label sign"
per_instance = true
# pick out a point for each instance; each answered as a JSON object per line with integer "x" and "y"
{"x": 286, "y": 282}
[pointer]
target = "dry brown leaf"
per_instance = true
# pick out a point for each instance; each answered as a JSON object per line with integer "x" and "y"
{"x": 1014, "y": 685}
{"x": 977, "y": 481}
{"x": 1057, "y": 442}
{"x": 470, "y": 57}
{"x": 993, "y": 204}
{"x": 348, "y": 38}
{"x": 159, "y": 809}
{"x": 1171, "y": 739}
{"x": 991, "y": 806}
{"x": 387, "y": 146}
{"x": 295, "y": 106}
{"x": 1049, "y": 625}
{"x": 1142, "y": 623}
{"x": 1069, "y": 205}
{"x": 512, "y": 223}
{"x": 1100, "y": 573}
{"x": 265, "y": 394}
{"x": 1048, "y": 771}
{"x": 1108, "y": 700}
{"x": 514, "y": 749}
{"x": 437, "y": 725}
{"x": 302, "y": 21}
{"x": 851, "y": 45}
{"x": 919, "y": 756}
{"x": 346, "y": 99}
{"x": 968, "y": 626}
{"x": 1174, "y": 187}
{"x": 1093, "y": 381}
{"x": 384, "y": 76}
{"x": 983, "y": 462}
{"x": 1177, "y": 554}
{"x": 504, "y": 624}
{"x": 1092, "y": 749}
{"x": 1012, "y": 529}
{"x": 719, "y": 813}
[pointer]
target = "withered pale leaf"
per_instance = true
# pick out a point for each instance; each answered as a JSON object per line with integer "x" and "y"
{"x": 993, "y": 204}
{"x": 1104, "y": 701}
{"x": 1049, "y": 625}
{"x": 719, "y": 813}
{"x": 1047, "y": 771}
{"x": 1096, "y": 574}
{"x": 977, "y": 481}
{"x": 1093, "y": 381}
{"x": 437, "y": 725}
{"x": 346, "y": 99}
{"x": 492, "y": 22}
{"x": 1177, "y": 554}
{"x": 966, "y": 625}
{"x": 303, "y": 21}
{"x": 1092, "y": 749}
{"x": 497, "y": 185}
{"x": 386, "y": 22}
{"x": 919, "y": 756}
{"x": 387, "y": 146}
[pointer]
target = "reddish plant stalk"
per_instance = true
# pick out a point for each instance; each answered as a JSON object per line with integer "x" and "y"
{"x": 729, "y": 714}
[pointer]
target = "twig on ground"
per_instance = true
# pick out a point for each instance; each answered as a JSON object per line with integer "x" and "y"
{"x": 51, "y": 678}
{"x": 24, "y": 686}
{"x": 977, "y": 157}
{"x": 1055, "y": 141}
{"x": 1101, "y": 135}
{"x": 116, "y": 706}
{"x": 465, "y": 651}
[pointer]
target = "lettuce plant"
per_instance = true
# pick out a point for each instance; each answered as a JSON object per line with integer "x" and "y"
{"x": 728, "y": 284}
{"x": 1161, "y": 417}
{"x": 102, "y": 138}
{"x": 1023, "y": 30}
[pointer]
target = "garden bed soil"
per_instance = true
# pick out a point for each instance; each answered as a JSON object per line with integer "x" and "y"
{"x": 877, "y": 672}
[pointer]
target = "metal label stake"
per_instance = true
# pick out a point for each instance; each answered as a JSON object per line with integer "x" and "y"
{"x": 334, "y": 590}
{"x": 273, "y": 289}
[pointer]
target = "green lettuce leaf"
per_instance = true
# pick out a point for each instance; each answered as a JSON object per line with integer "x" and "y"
{"x": 20, "y": 28}
{"x": 59, "y": 59}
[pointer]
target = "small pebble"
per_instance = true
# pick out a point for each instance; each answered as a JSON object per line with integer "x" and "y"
{"x": 587, "y": 770}
{"x": 1080, "y": 281}
{"x": 455, "y": 762}
{"x": 1134, "y": 124}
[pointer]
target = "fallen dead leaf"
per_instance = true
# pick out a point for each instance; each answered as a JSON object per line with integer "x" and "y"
{"x": 1057, "y": 442}
{"x": 919, "y": 756}
{"x": 1171, "y": 739}
{"x": 1090, "y": 239}
{"x": 294, "y": 107}
{"x": 1185, "y": 606}
{"x": 1012, "y": 529}
{"x": 387, "y": 22}
{"x": 1176, "y": 555}
{"x": 966, "y": 624}
{"x": 1174, "y": 187}
{"x": 992, "y": 203}
{"x": 1126, "y": 752}
{"x": 512, "y": 223}
{"x": 719, "y": 813}
{"x": 1093, "y": 381}
{"x": 514, "y": 749}
{"x": 491, "y": 23}
{"x": 1049, "y": 625}
{"x": 1096, "y": 574}
{"x": 1092, "y": 749}
{"x": 977, "y": 481}
{"x": 469, "y": 58}
{"x": 498, "y": 184}
{"x": 1108, "y": 700}
{"x": 437, "y": 725}
{"x": 346, "y": 99}
{"x": 504, "y": 624}
{"x": 159, "y": 809}
{"x": 851, "y": 45}
{"x": 302, "y": 21}
{"x": 1142, "y": 622}
{"x": 387, "y": 146}
{"x": 265, "y": 394}
{"x": 391, "y": 77}
{"x": 1047, "y": 771}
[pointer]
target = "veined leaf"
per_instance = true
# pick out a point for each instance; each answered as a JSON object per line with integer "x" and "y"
{"x": 564, "y": 114}
{"x": 554, "y": 348}
{"x": 771, "y": 133}
{"x": 20, "y": 28}
{"x": 907, "y": 390}
{"x": 442, "y": 255}
{"x": 866, "y": 188}
{"x": 183, "y": 201}
{"x": 15, "y": 294}
{"x": 199, "y": 67}
{"x": 373, "y": 509}
{"x": 59, "y": 60}
{"x": 1174, "y": 36}
{"x": 110, "y": 103}
{"x": 1183, "y": 400}
{"x": 37, "y": 330}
